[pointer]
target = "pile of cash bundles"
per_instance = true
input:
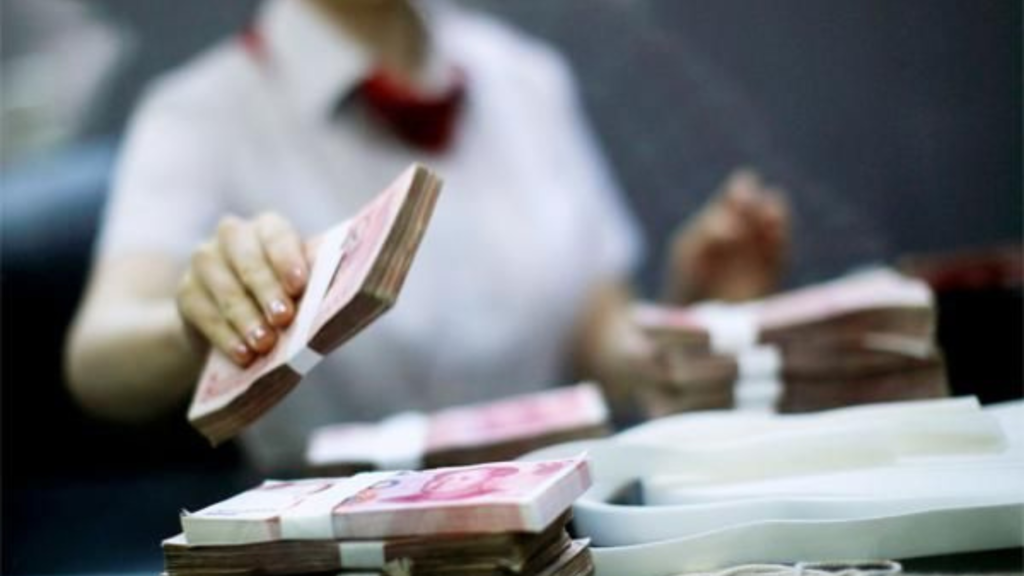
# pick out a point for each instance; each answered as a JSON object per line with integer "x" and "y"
{"x": 863, "y": 338}
{"x": 505, "y": 518}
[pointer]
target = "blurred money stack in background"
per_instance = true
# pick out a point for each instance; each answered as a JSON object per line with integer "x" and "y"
{"x": 864, "y": 338}
{"x": 486, "y": 432}
{"x": 505, "y": 518}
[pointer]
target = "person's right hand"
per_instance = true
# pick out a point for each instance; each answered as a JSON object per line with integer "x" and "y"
{"x": 736, "y": 247}
{"x": 242, "y": 285}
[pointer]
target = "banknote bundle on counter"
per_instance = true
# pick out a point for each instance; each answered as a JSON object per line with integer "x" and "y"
{"x": 867, "y": 337}
{"x": 358, "y": 270}
{"x": 487, "y": 432}
{"x": 504, "y": 518}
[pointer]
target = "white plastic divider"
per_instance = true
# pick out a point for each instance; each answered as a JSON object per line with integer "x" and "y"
{"x": 742, "y": 499}
{"x": 711, "y": 431}
{"x": 937, "y": 531}
{"x": 902, "y": 481}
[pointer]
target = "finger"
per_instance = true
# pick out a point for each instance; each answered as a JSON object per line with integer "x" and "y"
{"x": 214, "y": 273}
{"x": 742, "y": 189}
{"x": 716, "y": 245}
{"x": 773, "y": 215}
{"x": 723, "y": 227}
{"x": 201, "y": 315}
{"x": 774, "y": 206}
{"x": 760, "y": 211}
{"x": 283, "y": 247}
{"x": 244, "y": 252}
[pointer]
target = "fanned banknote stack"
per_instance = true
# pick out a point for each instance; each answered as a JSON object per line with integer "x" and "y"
{"x": 505, "y": 518}
{"x": 864, "y": 338}
{"x": 487, "y": 432}
{"x": 358, "y": 270}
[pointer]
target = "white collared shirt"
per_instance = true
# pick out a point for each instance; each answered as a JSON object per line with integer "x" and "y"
{"x": 528, "y": 222}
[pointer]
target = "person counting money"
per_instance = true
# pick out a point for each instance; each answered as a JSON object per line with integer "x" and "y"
{"x": 280, "y": 132}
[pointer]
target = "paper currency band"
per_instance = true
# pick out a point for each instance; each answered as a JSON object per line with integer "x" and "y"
{"x": 331, "y": 251}
{"x": 758, "y": 394}
{"x": 396, "y": 443}
{"x": 732, "y": 328}
{"x": 759, "y": 385}
{"x": 402, "y": 442}
{"x": 313, "y": 518}
{"x": 305, "y": 360}
{"x": 596, "y": 408}
{"x": 759, "y": 362}
{"x": 356, "y": 554}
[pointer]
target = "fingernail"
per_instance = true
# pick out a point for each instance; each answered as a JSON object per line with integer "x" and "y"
{"x": 743, "y": 196}
{"x": 242, "y": 353}
{"x": 256, "y": 335}
{"x": 278, "y": 308}
{"x": 298, "y": 276}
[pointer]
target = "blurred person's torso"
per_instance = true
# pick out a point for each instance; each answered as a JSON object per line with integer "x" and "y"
{"x": 527, "y": 221}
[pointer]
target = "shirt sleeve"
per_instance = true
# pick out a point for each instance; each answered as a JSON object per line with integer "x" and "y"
{"x": 168, "y": 189}
{"x": 613, "y": 236}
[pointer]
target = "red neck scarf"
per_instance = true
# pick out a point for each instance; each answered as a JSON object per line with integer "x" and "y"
{"x": 424, "y": 121}
{"x": 427, "y": 122}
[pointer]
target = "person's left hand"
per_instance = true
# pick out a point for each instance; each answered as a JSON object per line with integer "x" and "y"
{"x": 736, "y": 247}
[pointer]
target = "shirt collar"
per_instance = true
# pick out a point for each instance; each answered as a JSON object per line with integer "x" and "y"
{"x": 316, "y": 64}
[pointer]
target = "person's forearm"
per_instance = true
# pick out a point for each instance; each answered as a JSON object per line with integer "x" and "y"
{"x": 131, "y": 361}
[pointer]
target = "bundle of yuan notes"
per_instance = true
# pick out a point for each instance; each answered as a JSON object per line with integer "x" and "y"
{"x": 502, "y": 518}
{"x": 487, "y": 432}
{"x": 358, "y": 270}
{"x": 867, "y": 337}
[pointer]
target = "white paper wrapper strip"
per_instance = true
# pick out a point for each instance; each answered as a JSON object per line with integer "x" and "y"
{"x": 301, "y": 358}
{"x": 759, "y": 362}
{"x": 402, "y": 440}
{"x": 356, "y": 554}
{"x": 757, "y": 395}
{"x": 397, "y": 443}
{"x": 304, "y": 360}
{"x": 731, "y": 328}
{"x": 759, "y": 385}
{"x": 313, "y": 518}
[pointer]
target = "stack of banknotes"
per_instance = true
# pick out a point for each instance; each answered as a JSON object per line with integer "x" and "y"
{"x": 486, "y": 432}
{"x": 867, "y": 337}
{"x": 506, "y": 518}
{"x": 359, "y": 267}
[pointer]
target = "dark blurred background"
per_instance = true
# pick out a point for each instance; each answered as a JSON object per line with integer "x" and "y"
{"x": 895, "y": 125}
